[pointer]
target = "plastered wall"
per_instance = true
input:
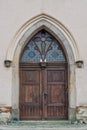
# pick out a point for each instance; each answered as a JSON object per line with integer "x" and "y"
{"x": 71, "y": 13}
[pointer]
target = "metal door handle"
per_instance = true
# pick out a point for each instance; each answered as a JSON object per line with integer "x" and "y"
{"x": 45, "y": 94}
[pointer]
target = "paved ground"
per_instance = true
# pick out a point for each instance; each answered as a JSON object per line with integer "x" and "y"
{"x": 43, "y": 125}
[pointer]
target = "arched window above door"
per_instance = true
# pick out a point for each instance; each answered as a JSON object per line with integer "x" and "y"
{"x": 43, "y": 47}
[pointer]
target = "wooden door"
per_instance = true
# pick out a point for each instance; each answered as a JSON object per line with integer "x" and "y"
{"x": 43, "y": 91}
{"x": 30, "y": 93}
{"x": 57, "y": 93}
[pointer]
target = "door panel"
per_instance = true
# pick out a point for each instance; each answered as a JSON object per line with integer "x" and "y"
{"x": 57, "y": 98}
{"x": 30, "y": 94}
{"x": 43, "y": 92}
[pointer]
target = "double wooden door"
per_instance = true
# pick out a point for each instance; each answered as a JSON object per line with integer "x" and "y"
{"x": 43, "y": 91}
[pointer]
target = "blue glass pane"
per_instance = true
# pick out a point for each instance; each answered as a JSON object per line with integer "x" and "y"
{"x": 49, "y": 38}
{"x": 43, "y": 32}
{"x": 54, "y": 54}
{"x": 37, "y": 39}
{"x": 31, "y": 55}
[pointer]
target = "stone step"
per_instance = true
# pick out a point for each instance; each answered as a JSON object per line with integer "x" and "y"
{"x": 28, "y": 128}
{"x": 43, "y": 125}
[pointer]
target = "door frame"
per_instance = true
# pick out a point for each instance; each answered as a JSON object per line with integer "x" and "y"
{"x": 43, "y": 68}
{"x": 64, "y": 41}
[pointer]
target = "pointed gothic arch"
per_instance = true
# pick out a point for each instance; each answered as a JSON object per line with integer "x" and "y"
{"x": 43, "y": 79}
{"x": 64, "y": 40}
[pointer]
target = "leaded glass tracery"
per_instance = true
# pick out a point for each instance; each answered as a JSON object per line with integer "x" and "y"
{"x": 43, "y": 47}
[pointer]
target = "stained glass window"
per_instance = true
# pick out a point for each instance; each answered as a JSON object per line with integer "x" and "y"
{"x": 43, "y": 47}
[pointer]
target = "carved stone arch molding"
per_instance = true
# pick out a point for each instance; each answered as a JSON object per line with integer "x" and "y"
{"x": 68, "y": 43}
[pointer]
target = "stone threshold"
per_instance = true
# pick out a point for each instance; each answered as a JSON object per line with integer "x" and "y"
{"x": 43, "y": 125}
{"x": 25, "y": 128}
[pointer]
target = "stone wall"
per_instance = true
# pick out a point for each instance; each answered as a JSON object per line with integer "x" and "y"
{"x": 15, "y": 15}
{"x": 5, "y": 115}
{"x": 81, "y": 114}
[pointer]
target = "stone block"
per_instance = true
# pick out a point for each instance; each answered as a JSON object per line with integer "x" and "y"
{"x": 5, "y": 115}
{"x": 81, "y": 114}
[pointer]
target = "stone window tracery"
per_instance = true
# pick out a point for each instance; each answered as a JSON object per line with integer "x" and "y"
{"x": 43, "y": 47}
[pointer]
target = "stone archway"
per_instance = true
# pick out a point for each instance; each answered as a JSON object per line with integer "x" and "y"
{"x": 58, "y": 34}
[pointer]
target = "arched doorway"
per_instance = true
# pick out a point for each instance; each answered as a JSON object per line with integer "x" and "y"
{"x": 43, "y": 92}
{"x": 68, "y": 44}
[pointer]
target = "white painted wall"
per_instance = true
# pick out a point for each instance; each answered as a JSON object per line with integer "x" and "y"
{"x": 71, "y": 13}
